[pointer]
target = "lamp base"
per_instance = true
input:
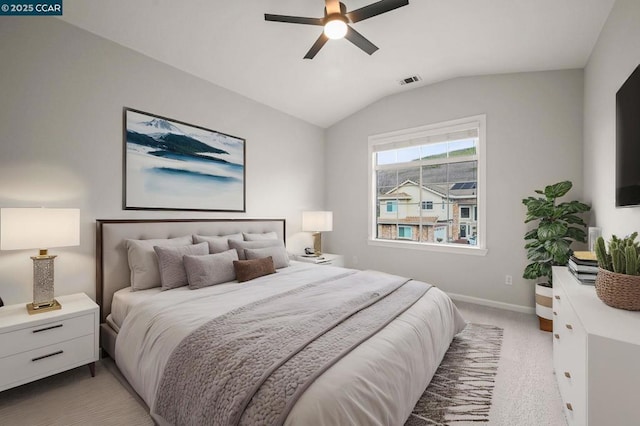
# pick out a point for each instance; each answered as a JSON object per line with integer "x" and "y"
{"x": 317, "y": 243}
{"x": 54, "y": 305}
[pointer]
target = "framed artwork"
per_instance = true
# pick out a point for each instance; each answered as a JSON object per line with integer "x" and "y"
{"x": 171, "y": 165}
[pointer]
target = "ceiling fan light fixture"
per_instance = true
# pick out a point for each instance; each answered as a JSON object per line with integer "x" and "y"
{"x": 335, "y": 28}
{"x": 336, "y": 22}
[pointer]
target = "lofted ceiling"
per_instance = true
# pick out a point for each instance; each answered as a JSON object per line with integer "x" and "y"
{"x": 230, "y": 44}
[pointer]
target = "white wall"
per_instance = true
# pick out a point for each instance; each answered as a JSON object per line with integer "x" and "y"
{"x": 534, "y": 138}
{"x": 62, "y": 91}
{"x": 615, "y": 56}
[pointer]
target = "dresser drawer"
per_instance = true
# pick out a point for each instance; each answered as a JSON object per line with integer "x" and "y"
{"x": 558, "y": 303}
{"x": 569, "y": 352}
{"x": 29, "y": 338}
{"x": 37, "y": 363}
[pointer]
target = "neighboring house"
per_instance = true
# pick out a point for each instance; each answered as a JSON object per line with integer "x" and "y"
{"x": 429, "y": 213}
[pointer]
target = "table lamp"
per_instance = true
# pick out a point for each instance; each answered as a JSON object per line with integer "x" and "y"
{"x": 317, "y": 222}
{"x": 40, "y": 228}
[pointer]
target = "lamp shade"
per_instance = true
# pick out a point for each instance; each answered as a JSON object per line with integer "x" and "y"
{"x": 38, "y": 228}
{"x": 317, "y": 221}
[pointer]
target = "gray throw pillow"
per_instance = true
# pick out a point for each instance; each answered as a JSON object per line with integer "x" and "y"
{"x": 217, "y": 244}
{"x": 172, "y": 273}
{"x": 143, "y": 261}
{"x": 212, "y": 269}
{"x": 278, "y": 254}
{"x": 259, "y": 237}
{"x": 242, "y": 245}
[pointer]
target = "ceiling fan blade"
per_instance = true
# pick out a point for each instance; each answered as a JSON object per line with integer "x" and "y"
{"x": 316, "y": 46}
{"x": 293, "y": 19}
{"x": 359, "y": 40}
{"x": 375, "y": 9}
{"x": 332, "y": 6}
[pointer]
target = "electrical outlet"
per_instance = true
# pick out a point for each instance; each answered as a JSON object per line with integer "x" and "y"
{"x": 508, "y": 280}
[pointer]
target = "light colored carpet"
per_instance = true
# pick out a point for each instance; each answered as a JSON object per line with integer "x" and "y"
{"x": 525, "y": 390}
{"x": 73, "y": 398}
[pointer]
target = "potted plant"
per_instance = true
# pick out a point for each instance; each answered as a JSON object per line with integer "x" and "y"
{"x": 618, "y": 279}
{"x": 549, "y": 243}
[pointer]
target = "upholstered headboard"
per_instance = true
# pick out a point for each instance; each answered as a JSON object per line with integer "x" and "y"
{"x": 112, "y": 265}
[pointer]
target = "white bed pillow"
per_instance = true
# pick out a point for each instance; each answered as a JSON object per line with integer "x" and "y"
{"x": 143, "y": 261}
{"x": 211, "y": 269}
{"x": 217, "y": 244}
{"x": 278, "y": 254}
{"x": 242, "y": 245}
{"x": 260, "y": 237}
{"x": 172, "y": 272}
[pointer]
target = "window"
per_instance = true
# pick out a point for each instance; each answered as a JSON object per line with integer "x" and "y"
{"x": 435, "y": 165}
{"x": 405, "y": 232}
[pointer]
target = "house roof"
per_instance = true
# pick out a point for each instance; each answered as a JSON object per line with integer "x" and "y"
{"x": 395, "y": 195}
{"x": 455, "y": 191}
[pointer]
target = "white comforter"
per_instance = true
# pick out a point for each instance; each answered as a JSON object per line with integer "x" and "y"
{"x": 378, "y": 383}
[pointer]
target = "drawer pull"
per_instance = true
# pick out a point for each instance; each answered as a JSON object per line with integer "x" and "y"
{"x": 569, "y": 326}
{"x": 569, "y": 406}
{"x": 557, "y": 297}
{"x": 47, "y": 328}
{"x": 555, "y": 313}
{"x": 46, "y": 356}
{"x": 557, "y": 336}
{"x": 567, "y": 375}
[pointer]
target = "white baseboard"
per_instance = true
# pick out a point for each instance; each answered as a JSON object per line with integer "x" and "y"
{"x": 493, "y": 303}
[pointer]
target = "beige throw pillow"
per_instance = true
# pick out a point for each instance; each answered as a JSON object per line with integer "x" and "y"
{"x": 143, "y": 261}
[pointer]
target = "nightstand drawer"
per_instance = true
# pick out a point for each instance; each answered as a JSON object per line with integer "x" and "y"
{"x": 29, "y": 338}
{"x": 27, "y": 366}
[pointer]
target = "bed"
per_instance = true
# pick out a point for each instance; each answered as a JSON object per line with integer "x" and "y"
{"x": 376, "y": 380}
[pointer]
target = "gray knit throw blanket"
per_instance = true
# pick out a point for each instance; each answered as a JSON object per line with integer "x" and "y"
{"x": 251, "y": 365}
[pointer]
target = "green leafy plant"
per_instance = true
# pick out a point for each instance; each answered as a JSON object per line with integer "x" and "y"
{"x": 559, "y": 225}
{"x": 623, "y": 256}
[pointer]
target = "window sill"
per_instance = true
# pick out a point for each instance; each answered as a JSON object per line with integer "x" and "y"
{"x": 442, "y": 248}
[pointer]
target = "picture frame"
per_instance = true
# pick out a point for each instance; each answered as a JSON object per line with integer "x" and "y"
{"x": 173, "y": 165}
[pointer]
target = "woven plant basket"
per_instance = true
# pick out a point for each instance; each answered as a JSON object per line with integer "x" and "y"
{"x": 618, "y": 290}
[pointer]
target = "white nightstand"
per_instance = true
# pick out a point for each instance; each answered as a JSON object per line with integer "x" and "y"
{"x": 37, "y": 346}
{"x": 323, "y": 259}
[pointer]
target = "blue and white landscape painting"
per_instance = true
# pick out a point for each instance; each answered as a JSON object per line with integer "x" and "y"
{"x": 172, "y": 165}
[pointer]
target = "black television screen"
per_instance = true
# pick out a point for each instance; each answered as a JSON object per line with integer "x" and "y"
{"x": 628, "y": 142}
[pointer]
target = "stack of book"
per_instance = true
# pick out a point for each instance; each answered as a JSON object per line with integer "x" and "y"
{"x": 584, "y": 266}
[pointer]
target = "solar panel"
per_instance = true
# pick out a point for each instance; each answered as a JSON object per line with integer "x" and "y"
{"x": 464, "y": 185}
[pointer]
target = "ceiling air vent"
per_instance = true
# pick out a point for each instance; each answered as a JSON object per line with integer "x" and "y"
{"x": 410, "y": 80}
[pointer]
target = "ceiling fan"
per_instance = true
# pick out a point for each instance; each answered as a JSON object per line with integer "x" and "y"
{"x": 336, "y": 20}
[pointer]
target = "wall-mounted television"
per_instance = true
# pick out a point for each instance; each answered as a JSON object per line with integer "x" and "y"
{"x": 628, "y": 142}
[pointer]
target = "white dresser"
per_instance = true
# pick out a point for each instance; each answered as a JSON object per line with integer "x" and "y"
{"x": 39, "y": 345}
{"x": 596, "y": 355}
